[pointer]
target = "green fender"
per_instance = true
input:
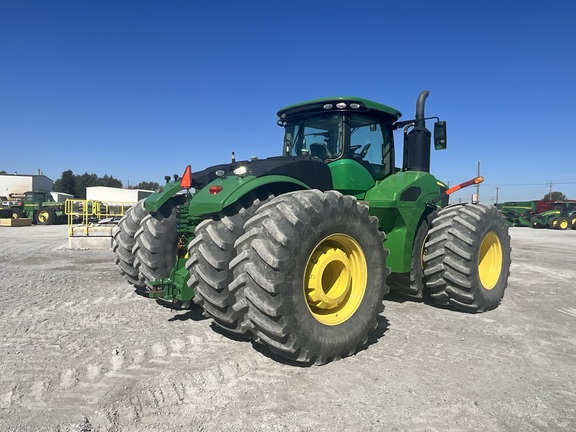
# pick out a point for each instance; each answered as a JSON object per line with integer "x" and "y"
{"x": 164, "y": 193}
{"x": 233, "y": 188}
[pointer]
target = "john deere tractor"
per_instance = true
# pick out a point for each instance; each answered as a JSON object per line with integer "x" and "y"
{"x": 561, "y": 216}
{"x": 297, "y": 251}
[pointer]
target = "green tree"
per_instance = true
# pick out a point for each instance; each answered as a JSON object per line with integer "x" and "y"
{"x": 2, "y": 172}
{"x": 109, "y": 181}
{"x": 146, "y": 185}
{"x": 66, "y": 183}
{"x": 77, "y": 184}
{"x": 556, "y": 196}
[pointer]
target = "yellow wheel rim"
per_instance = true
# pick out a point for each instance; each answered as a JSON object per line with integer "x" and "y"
{"x": 490, "y": 260}
{"x": 335, "y": 279}
{"x": 15, "y": 215}
{"x": 43, "y": 216}
{"x": 423, "y": 252}
{"x": 563, "y": 224}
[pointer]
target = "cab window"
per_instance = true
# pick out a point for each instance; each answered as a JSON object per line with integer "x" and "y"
{"x": 320, "y": 136}
{"x": 372, "y": 145}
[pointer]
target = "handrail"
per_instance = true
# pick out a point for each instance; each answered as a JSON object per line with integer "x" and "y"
{"x": 87, "y": 212}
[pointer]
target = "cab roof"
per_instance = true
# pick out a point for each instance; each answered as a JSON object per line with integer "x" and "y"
{"x": 340, "y": 103}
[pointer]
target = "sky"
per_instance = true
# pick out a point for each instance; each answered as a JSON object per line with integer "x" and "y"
{"x": 140, "y": 89}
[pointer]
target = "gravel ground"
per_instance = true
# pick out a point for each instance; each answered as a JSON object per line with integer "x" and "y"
{"x": 80, "y": 351}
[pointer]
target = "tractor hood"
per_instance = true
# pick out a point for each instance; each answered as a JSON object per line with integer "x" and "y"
{"x": 235, "y": 179}
{"x": 308, "y": 170}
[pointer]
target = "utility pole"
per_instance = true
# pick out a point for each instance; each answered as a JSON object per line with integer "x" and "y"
{"x": 550, "y": 193}
{"x": 497, "y": 194}
{"x": 478, "y": 185}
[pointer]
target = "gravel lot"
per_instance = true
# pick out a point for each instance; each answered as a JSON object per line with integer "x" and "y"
{"x": 80, "y": 351}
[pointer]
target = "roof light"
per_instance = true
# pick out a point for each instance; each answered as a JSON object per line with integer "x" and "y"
{"x": 240, "y": 171}
{"x": 341, "y": 105}
{"x": 354, "y": 105}
{"x": 328, "y": 106}
{"x": 186, "y": 181}
{"x": 215, "y": 189}
{"x": 220, "y": 173}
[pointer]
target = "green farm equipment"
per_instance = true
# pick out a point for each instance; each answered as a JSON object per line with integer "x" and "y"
{"x": 297, "y": 251}
{"x": 38, "y": 206}
{"x": 518, "y": 213}
{"x": 562, "y": 216}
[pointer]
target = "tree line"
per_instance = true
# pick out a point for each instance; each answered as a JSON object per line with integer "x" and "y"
{"x": 76, "y": 185}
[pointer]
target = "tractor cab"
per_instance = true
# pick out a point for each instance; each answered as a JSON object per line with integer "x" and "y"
{"x": 564, "y": 208}
{"x": 355, "y": 136}
{"x": 344, "y": 129}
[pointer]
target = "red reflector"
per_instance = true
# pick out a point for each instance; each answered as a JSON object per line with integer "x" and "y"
{"x": 186, "y": 181}
{"x": 215, "y": 189}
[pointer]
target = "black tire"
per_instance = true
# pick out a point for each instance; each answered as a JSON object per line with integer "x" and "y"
{"x": 210, "y": 253}
{"x": 535, "y": 223}
{"x": 468, "y": 257}
{"x": 294, "y": 240}
{"x": 45, "y": 216}
{"x": 573, "y": 222}
{"x": 17, "y": 213}
{"x": 562, "y": 223}
{"x": 156, "y": 245}
{"x": 552, "y": 223}
{"x": 124, "y": 240}
{"x": 413, "y": 284}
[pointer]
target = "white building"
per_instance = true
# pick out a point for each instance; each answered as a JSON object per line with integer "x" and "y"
{"x": 115, "y": 195}
{"x": 61, "y": 196}
{"x": 17, "y": 184}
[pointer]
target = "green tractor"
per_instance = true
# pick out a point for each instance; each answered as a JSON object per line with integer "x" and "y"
{"x": 40, "y": 207}
{"x": 518, "y": 213}
{"x": 296, "y": 252}
{"x": 562, "y": 216}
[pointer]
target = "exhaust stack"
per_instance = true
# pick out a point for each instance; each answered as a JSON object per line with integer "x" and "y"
{"x": 417, "y": 140}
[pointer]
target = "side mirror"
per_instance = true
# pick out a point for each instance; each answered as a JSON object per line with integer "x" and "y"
{"x": 440, "y": 135}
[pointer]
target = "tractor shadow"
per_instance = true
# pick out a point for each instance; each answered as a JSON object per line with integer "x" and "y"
{"x": 193, "y": 313}
{"x": 190, "y": 311}
{"x": 374, "y": 336}
{"x": 397, "y": 297}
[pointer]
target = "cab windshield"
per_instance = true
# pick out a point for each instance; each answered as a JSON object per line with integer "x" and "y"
{"x": 319, "y": 136}
{"x": 333, "y": 136}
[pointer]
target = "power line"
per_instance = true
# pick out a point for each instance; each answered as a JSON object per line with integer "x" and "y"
{"x": 527, "y": 184}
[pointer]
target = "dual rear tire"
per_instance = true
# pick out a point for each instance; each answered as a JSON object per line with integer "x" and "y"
{"x": 124, "y": 240}
{"x": 468, "y": 258}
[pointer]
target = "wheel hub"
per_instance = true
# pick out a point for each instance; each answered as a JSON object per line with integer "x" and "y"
{"x": 329, "y": 280}
{"x": 335, "y": 279}
{"x": 490, "y": 260}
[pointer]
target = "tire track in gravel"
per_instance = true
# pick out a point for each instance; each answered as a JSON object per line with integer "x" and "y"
{"x": 202, "y": 383}
{"x": 72, "y": 342}
{"x": 96, "y": 378}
